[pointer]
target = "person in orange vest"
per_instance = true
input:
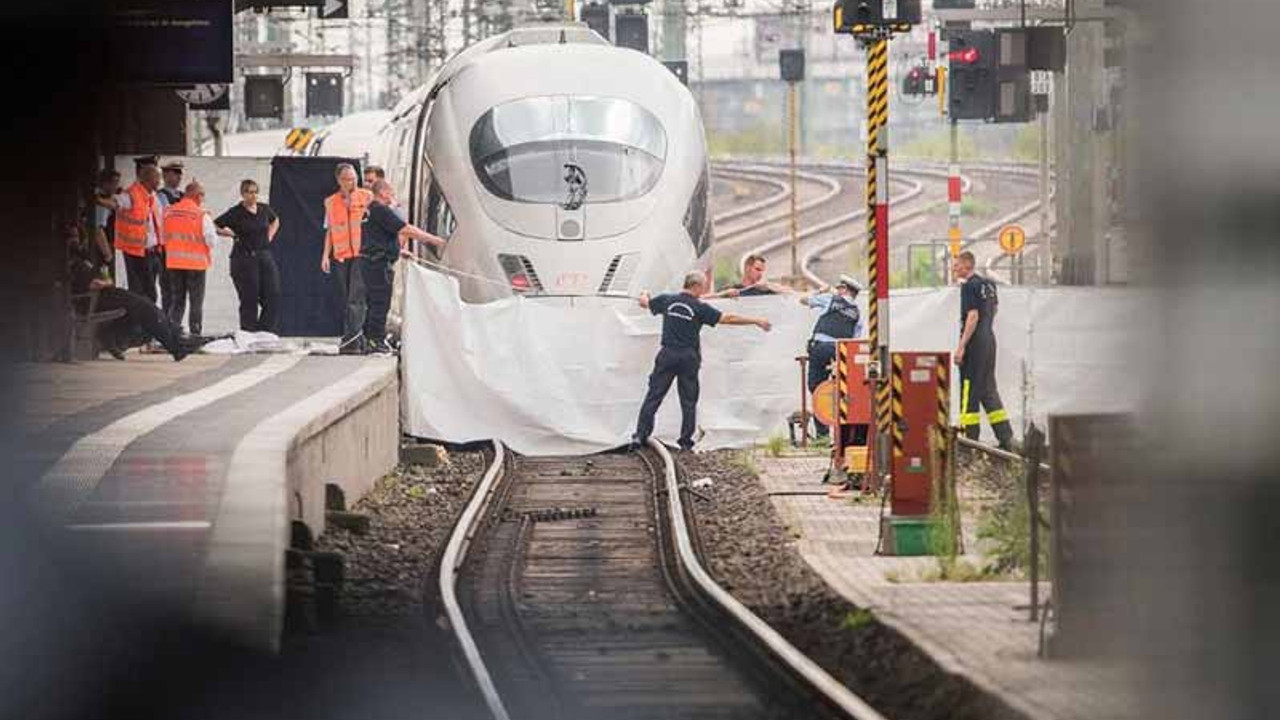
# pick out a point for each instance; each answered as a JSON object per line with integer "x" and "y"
{"x": 343, "y": 214}
{"x": 137, "y": 235}
{"x": 189, "y": 236}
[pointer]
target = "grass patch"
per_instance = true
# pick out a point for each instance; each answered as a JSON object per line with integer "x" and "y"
{"x": 758, "y": 140}
{"x": 976, "y": 207}
{"x": 956, "y": 570}
{"x": 937, "y": 146}
{"x": 725, "y": 272}
{"x": 1006, "y": 527}
{"x": 776, "y": 445}
{"x": 856, "y": 619}
{"x": 744, "y": 460}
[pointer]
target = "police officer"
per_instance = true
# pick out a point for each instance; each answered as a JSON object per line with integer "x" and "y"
{"x": 680, "y": 357}
{"x": 976, "y": 354}
{"x": 169, "y": 194}
{"x": 840, "y": 320}
{"x": 383, "y": 236}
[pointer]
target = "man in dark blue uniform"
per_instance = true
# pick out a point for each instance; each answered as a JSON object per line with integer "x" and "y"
{"x": 680, "y": 358}
{"x": 840, "y": 320}
{"x": 383, "y": 234}
{"x": 976, "y": 354}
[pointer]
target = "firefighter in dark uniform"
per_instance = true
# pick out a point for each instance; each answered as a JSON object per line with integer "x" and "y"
{"x": 840, "y": 320}
{"x": 680, "y": 358}
{"x": 976, "y": 354}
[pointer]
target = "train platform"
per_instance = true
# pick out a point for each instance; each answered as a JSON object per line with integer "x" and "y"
{"x": 183, "y": 484}
{"x": 978, "y": 630}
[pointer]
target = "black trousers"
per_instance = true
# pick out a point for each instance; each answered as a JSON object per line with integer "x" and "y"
{"x": 155, "y": 259}
{"x": 257, "y": 281}
{"x": 187, "y": 285}
{"x": 978, "y": 389}
{"x": 140, "y": 274}
{"x": 680, "y": 365}
{"x": 821, "y": 354}
{"x": 142, "y": 321}
{"x": 377, "y": 287}
{"x": 351, "y": 284}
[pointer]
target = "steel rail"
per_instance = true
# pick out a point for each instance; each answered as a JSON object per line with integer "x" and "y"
{"x": 833, "y": 690}
{"x": 454, "y": 557}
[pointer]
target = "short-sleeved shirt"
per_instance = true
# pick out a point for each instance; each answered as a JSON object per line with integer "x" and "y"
{"x": 752, "y": 290}
{"x": 978, "y": 293}
{"x": 250, "y": 228}
{"x": 379, "y": 233}
{"x": 683, "y": 316}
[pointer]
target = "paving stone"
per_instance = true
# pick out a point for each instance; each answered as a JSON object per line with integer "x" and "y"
{"x": 972, "y": 629}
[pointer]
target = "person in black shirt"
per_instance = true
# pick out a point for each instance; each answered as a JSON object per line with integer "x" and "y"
{"x": 976, "y": 354}
{"x": 383, "y": 234}
{"x": 753, "y": 282}
{"x": 257, "y": 279}
{"x": 142, "y": 319}
{"x": 680, "y": 357}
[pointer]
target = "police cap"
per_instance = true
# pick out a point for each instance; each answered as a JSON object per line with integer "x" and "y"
{"x": 854, "y": 286}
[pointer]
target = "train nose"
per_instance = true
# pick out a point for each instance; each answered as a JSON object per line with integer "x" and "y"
{"x": 613, "y": 278}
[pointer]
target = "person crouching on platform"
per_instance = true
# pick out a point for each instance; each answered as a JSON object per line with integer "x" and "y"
{"x": 840, "y": 320}
{"x": 142, "y": 320}
{"x": 383, "y": 235}
{"x": 680, "y": 357}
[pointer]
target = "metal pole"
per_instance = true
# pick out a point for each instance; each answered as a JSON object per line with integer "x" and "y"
{"x": 804, "y": 401}
{"x": 1045, "y": 248}
{"x": 792, "y": 122}
{"x": 878, "y": 243}
{"x": 954, "y": 192}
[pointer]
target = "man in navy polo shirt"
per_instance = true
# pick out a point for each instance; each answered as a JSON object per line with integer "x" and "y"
{"x": 383, "y": 234}
{"x": 679, "y": 359}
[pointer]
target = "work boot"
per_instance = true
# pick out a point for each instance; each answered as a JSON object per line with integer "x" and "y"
{"x": 379, "y": 347}
{"x": 354, "y": 345}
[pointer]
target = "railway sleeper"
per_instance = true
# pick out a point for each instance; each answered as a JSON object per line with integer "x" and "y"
{"x": 539, "y": 515}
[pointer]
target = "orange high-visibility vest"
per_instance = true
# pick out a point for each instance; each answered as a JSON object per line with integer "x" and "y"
{"x": 131, "y": 224}
{"x": 344, "y": 221}
{"x": 184, "y": 247}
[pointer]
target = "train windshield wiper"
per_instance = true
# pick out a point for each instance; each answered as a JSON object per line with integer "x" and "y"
{"x": 576, "y": 180}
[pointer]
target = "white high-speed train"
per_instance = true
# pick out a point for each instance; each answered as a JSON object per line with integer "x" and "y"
{"x": 555, "y": 164}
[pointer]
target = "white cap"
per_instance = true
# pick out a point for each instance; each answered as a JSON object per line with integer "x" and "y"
{"x": 850, "y": 283}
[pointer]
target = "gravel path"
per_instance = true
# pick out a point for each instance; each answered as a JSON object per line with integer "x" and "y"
{"x": 752, "y": 554}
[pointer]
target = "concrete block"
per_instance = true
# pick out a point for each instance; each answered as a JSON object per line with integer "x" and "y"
{"x": 423, "y": 454}
{"x": 357, "y": 523}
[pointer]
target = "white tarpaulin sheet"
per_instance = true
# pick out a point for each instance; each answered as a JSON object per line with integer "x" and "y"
{"x": 550, "y": 378}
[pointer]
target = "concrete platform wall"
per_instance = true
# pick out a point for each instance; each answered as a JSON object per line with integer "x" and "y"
{"x": 351, "y": 444}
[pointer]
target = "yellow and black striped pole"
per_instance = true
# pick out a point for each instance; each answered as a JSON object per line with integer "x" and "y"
{"x": 896, "y": 421}
{"x": 878, "y": 241}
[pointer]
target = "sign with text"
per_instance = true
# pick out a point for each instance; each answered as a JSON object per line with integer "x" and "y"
{"x": 160, "y": 42}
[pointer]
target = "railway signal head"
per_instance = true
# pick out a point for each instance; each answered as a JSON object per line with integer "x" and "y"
{"x": 972, "y": 88}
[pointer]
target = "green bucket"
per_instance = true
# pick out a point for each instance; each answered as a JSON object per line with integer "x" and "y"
{"x": 911, "y": 536}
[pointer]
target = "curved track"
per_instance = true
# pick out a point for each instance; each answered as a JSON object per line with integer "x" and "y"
{"x": 831, "y": 223}
{"x": 574, "y": 589}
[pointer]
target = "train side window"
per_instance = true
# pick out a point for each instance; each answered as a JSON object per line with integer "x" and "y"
{"x": 439, "y": 216}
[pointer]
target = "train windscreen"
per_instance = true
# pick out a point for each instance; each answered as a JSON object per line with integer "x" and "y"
{"x": 566, "y": 149}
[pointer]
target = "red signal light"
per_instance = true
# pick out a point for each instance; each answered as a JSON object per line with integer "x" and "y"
{"x": 968, "y": 56}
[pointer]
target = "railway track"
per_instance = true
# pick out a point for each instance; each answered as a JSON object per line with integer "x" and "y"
{"x": 829, "y": 230}
{"x": 573, "y": 588}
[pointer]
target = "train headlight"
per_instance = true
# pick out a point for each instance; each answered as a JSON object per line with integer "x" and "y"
{"x": 520, "y": 273}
